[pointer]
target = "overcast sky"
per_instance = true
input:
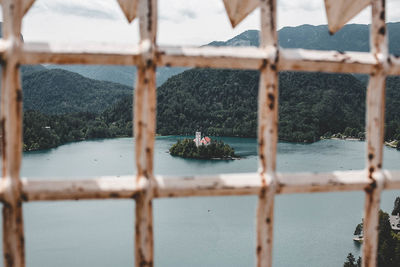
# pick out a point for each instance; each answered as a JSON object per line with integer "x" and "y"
{"x": 181, "y": 22}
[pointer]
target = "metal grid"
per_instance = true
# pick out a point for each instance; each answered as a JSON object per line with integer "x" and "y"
{"x": 269, "y": 59}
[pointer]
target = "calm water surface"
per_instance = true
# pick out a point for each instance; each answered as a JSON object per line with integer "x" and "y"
{"x": 310, "y": 230}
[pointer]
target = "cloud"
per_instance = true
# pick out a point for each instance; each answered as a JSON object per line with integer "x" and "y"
{"x": 78, "y": 21}
{"x": 181, "y": 22}
{"x": 191, "y": 14}
{"x": 179, "y": 11}
{"x": 310, "y": 5}
{"x": 103, "y": 9}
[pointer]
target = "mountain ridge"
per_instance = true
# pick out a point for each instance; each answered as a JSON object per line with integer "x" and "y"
{"x": 59, "y": 92}
{"x": 352, "y": 37}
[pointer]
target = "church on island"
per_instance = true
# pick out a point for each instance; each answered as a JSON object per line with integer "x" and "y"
{"x": 201, "y": 141}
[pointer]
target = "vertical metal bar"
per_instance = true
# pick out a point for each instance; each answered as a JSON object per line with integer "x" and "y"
{"x": 145, "y": 125}
{"x": 267, "y": 135}
{"x": 11, "y": 121}
{"x": 375, "y": 133}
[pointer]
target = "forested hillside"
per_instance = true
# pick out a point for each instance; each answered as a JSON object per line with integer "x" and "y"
{"x": 43, "y": 131}
{"x": 392, "y": 115}
{"x": 61, "y": 92}
{"x": 224, "y": 103}
{"x": 352, "y": 37}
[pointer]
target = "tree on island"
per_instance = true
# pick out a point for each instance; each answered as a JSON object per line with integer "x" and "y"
{"x": 359, "y": 229}
{"x": 215, "y": 150}
{"x": 396, "y": 209}
{"x": 351, "y": 261}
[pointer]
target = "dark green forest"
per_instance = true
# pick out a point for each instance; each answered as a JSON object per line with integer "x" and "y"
{"x": 61, "y": 92}
{"x": 43, "y": 131}
{"x": 224, "y": 103}
{"x": 396, "y": 208}
{"x": 216, "y": 150}
{"x": 62, "y": 106}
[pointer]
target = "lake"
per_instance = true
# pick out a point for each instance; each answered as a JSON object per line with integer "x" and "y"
{"x": 310, "y": 229}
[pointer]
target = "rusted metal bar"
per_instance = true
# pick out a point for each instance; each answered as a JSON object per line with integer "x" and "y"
{"x": 144, "y": 247}
{"x": 239, "y": 9}
{"x": 267, "y": 135}
{"x": 210, "y": 185}
{"x": 393, "y": 65}
{"x": 102, "y": 54}
{"x": 339, "y": 12}
{"x": 214, "y": 57}
{"x": 101, "y": 188}
{"x": 129, "y": 7}
{"x": 145, "y": 129}
{"x": 255, "y": 58}
{"x": 252, "y": 58}
{"x": 26, "y": 5}
{"x": 11, "y": 120}
{"x": 375, "y": 133}
{"x": 326, "y": 61}
{"x": 286, "y": 183}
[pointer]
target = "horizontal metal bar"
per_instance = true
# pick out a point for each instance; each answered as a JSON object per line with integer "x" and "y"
{"x": 255, "y": 58}
{"x": 96, "y": 54}
{"x": 393, "y": 66}
{"x": 216, "y": 185}
{"x": 215, "y": 57}
{"x": 327, "y": 61}
{"x": 252, "y": 58}
{"x": 391, "y": 180}
{"x": 102, "y": 188}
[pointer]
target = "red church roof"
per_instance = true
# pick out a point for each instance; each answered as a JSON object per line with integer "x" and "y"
{"x": 204, "y": 141}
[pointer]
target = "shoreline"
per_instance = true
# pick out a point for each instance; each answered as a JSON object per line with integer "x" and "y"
{"x": 227, "y": 158}
{"x": 392, "y": 144}
{"x": 344, "y": 139}
{"x": 389, "y": 144}
{"x": 214, "y": 159}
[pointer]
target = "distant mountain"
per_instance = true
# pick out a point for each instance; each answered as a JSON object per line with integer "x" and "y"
{"x": 60, "y": 91}
{"x": 29, "y": 69}
{"x": 352, "y": 37}
{"x": 119, "y": 74}
{"x": 247, "y": 38}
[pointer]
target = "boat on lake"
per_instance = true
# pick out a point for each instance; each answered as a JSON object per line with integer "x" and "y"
{"x": 358, "y": 238}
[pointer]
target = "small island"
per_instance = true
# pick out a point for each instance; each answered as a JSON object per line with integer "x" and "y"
{"x": 202, "y": 148}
